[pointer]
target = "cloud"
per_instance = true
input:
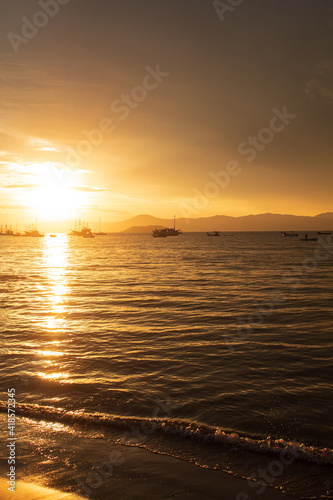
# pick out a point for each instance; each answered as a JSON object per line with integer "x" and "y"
{"x": 21, "y": 186}
{"x": 42, "y": 145}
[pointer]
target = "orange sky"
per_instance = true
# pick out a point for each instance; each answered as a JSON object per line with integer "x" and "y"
{"x": 173, "y": 95}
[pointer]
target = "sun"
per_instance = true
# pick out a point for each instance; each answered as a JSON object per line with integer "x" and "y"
{"x": 54, "y": 198}
{"x": 55, "y": 202}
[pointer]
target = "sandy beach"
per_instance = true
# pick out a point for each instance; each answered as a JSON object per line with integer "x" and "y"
{"x": 145, "y": 475}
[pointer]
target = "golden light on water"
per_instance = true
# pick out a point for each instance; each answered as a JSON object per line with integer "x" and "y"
{"x": 50, "y": 353}
{"x": 55, "y": 255}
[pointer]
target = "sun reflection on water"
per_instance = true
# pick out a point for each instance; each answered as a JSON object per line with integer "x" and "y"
{"x": 55, "y": 267}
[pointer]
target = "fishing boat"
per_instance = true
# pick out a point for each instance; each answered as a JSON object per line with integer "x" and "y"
{"x": 214, "y": 233}
{"x": 324, "y": 232}
{"x": 289, "y": 234}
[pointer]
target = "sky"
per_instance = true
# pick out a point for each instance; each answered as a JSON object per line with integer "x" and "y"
{"x": 110, "y": 109}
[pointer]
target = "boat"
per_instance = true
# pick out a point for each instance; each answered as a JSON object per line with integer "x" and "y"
{"x": 100, "y": 233}
{"x": 33, "y": 232}
{"x": 159, "y": 233}
{"x": 290, "y": 234}
{"x": 214, "y": 233}
{"x": 53, "y": 235}
{"x": 324, "y": 232}
{"x": 309, "y": 239}
{"x": 167, "y": 231}
{"x": 172, "y": 231}
{"x": 81, "y": 229}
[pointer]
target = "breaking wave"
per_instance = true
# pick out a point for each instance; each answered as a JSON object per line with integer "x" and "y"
{"x": 205, "y": 434}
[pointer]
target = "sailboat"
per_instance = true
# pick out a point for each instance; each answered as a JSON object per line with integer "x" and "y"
{"x": 100, "y": 233}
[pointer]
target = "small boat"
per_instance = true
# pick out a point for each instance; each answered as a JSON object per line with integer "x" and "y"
{"x": 309, "y": 239}
{"x": 53, "y": 235}
{"x": 214, "y": 233}
{"x": 290, "y": 234}
{"x": 324, "y": 232}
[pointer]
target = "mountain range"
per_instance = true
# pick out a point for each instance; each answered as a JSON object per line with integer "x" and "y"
{"x": 260, "y": 222}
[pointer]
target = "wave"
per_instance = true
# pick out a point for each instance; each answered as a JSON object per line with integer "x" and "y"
{"x": 205, "y": 434}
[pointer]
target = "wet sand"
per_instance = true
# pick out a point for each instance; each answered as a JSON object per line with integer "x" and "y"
{"x": 145, "y": 475}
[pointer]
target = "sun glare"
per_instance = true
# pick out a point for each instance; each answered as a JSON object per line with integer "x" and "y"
{"x": 55, "y": 198}
{"x": 56, "y": 202}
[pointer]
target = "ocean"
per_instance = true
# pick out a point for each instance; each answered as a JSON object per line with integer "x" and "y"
{"x": 214, "y": 350}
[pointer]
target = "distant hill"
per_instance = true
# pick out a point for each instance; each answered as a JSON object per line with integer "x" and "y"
{"x": 142, "y": 229}
{"x": 261, "y": 222}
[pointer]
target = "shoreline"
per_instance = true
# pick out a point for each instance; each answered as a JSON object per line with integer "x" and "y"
{"x": 144, "y": 475}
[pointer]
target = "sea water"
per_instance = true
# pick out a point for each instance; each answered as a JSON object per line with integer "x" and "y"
{"x": 215, "y": 350}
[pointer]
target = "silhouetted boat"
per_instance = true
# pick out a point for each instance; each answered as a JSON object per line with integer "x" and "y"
{"x": 81, "y": 229}
{"x": 167, "y": 231}
{"x": 309, "y": 239}
{"x": 324, "y": 232}
{"x": 53, "y": 235}
{"x": 290, "y": 234}
{"x": 172, "y": 231}
{"x": 214, "y": 233}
